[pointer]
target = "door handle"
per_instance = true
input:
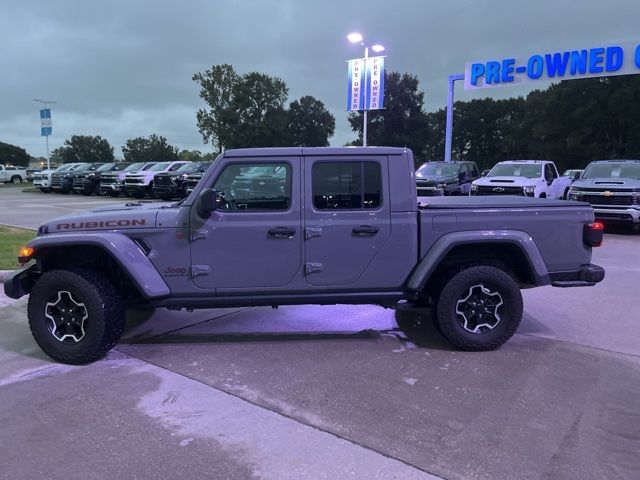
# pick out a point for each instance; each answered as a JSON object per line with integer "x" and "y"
{"x": 365, "y": 230}
{"x": 281, "y": 232}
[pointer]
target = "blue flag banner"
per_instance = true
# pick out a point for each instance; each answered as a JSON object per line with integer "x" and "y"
{"x": 46, "y": 127}
{"x": 375, "y": 83}
{"x": 355, "y": 93}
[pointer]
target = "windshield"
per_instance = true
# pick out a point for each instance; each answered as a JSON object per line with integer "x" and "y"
{"x": 189, "y": 168}
{"x": 64, "y": 168}
{"x": 516, "y": 170}
{"x": 134, "y": 166}
{"x": 613, "y": 170}
{"x": 87, "y": 166}
{"x": 157, "y": 167}
{"x": 107, "y": 167}
{"x": 437, "y": 170}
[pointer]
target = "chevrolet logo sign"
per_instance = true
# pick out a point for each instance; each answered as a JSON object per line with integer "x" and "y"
{"x": 607, "y": 193}
{"x": 498, "y": 189}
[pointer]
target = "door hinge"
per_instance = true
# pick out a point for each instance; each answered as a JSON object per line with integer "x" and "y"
{"x": 312, "y": 232}
{"x": 197, "y": 270}
{"x": 312, "y": 268}
{"x": 199, "y": 235}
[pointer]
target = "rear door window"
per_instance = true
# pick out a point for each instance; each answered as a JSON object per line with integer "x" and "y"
{"x": 347, "y": 185}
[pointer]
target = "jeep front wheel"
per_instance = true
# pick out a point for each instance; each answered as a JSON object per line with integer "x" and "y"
{"x": 479, "y": 308}
{"x": 76, "y": 316}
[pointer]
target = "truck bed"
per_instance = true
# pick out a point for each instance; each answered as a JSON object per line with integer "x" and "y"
{"x": 551, "y": 224}
{"x": 495, "y": 201}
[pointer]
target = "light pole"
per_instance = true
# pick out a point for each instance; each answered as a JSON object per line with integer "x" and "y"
{"x": 46, "y": 103}
{"x": 358, "y": 38}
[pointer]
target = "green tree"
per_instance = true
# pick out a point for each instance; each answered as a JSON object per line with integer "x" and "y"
{"x": 259, "y": 117}
{"x": 196, "y": 156}
{"x": 154, "y": 148}
{"x": 13, "y": 155}
{"x": 244, "y": 111}
{"x": 403, "y": 122}
{"x": 83, "y": 148}
{"x": 216, "y": 89}
{"x": 310, "y": 123}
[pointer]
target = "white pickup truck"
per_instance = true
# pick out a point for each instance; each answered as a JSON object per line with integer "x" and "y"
{"x": 528, "y": 178}
{"x": 12, "y": 174}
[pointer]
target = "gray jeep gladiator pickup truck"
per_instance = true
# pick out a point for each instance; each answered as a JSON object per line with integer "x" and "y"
{"x": 285, "y": 226}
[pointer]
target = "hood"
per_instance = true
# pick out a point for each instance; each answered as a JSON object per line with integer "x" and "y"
{"x": 433, "y": 179}
{"x": 505, "y": 181}
{"x": 109, "y": 218}
{"x": 607, "y": 183}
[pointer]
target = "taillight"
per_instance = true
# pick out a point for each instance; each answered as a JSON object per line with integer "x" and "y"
{"x": 593, "y": 234}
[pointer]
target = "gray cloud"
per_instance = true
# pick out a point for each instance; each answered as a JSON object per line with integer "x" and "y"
{"x": 123, "y": 68}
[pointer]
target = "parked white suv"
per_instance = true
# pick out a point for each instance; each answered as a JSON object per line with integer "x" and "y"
{"x": 529, "y": 178}
{"x": 42, "y": 180}
{"x": 12, "y": 174}
{"x": 138, "y": 184}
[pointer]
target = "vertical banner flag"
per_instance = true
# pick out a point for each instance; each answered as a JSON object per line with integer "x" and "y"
{"x": 45, "y": 122}
{"x": 375, "y": 83}
{"x": 355, "y": 94}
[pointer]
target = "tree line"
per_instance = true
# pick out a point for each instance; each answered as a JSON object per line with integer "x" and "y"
{"x": 571, "y": 123}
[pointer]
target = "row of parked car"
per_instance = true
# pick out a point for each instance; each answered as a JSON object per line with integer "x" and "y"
{"x": 612, "y": 187}
{"x": 165, "y": 180}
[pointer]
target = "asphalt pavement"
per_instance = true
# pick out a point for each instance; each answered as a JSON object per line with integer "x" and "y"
{"x": 331, "y": 392}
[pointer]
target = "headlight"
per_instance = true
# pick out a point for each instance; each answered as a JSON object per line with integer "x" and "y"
{"x": 529, "y": 190}
{"x": 474, "y": 188}
{"x": 441, "y": 185}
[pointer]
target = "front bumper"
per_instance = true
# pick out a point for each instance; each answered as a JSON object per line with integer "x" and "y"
{"x": 20, "y": 282}
{"x": 174, "y": 190}
{"x": 586, "y": 276}
{"x": 617, "y": 214}
{"x": 430, "y": 191}
{"x": 131, "y": 189}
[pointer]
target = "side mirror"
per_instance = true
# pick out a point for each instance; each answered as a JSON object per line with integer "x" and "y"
{"x": 576, "y": 176}
{"x": 207, "y": 202}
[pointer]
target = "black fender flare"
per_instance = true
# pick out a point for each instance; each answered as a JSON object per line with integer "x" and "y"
{"x": 121, "y": 248}
{"x": 522, "y": 240}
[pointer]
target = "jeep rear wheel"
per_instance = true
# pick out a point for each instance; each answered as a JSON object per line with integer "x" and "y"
{"x": 76, "y": 316}
{"x": 479, "y": 308}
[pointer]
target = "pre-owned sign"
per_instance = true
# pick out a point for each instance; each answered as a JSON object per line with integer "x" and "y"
{"x": 600, "y": 61}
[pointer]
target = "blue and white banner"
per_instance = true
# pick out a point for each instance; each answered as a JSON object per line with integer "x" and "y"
{"x": 375, "y": 83}
{"x": 46, "y": 127}
{"x": 355, "y": 92}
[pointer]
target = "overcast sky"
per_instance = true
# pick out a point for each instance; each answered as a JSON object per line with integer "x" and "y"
{"x": 123, "y": 69}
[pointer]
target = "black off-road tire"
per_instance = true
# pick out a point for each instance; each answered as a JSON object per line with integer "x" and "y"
{"x": 103, "y": 327}
{"x": 16, "y": 179}
{"x": 456, "y": 289}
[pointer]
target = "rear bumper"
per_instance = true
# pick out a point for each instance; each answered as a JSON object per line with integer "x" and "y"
{"x": 617, "y": 214}
{"x": 587, "y": 276}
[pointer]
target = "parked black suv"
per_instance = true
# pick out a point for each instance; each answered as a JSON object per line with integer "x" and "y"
{"x": 88, "y": 182}
{"x": 445, "y": 178}
{"x": 167, "y": 185}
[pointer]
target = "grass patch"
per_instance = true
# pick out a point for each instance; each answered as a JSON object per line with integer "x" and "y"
{"x": 11, "y": 239}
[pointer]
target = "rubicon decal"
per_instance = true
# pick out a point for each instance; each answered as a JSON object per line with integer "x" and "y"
{"x": 101, "y": 224}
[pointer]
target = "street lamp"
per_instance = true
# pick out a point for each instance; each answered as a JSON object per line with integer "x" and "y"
{"x": 356, "y": 37}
